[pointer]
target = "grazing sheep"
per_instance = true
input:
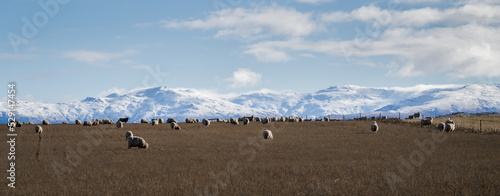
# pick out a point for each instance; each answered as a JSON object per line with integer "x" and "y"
{"x": 171, "y": 120}
{"x": 136, "y": 141}
{"x": 154, "y": 122}
{"x": 190, "y": 120}
{"x": 426, "y": 121}
{"x": 107, "y": 121}
{"x": 441, "y": 127}
{"x": 119, "y": 124}
{"x": 219, "y": 119}
{"x": 449, "y": 127}
{"x": 234, "y": 121}
{"x": 374, "y": 127}
{"x": 246, "y": 121}
{"x": 161, "y": 121}
{"x": 301, "y": 119}
{"x": 326, "y": 119}
{"x": 258, "y": 119}
{"x": 31, "y": 123}
{"x": 95, "y": 122}
{"x": 45, "y": 122}
{"x": 267, "y": 135}
{"x": 129, "y": 134}
{"x": 78, "y": 122}
{"x": 266, "y": 120}
{"x": 38, "y": 129}
{"x": 197, "y": 120}
{"x": 282, "y": 119}
{"x": 205, "y": 122}
{"x": 417, "y": 115}
{"x": 274, "y": 119}
{"x": 175, "y": 126}
{"x": 87, "y": 123}
{"x": 124, "y": 120}
{"x": 318, "y": 119}
{"x": 144, "y": 121}
{"x": 64, "y": 123}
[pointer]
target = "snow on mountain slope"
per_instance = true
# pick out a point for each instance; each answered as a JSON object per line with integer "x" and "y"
{"x": 162, "y": 102}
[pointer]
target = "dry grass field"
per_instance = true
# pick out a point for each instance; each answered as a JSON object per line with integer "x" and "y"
{"x": 309, "y": 158}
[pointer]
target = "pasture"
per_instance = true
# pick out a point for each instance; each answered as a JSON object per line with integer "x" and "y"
{"x": 306, "y": 158}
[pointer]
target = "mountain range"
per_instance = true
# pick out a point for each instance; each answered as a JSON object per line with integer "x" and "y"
{"x": 336, "y": 102}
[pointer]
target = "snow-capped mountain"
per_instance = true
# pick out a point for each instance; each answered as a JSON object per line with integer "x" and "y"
{"x": 336, "y": 101}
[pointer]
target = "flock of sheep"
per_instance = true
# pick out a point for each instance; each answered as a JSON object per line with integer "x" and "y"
{"x": 136, "y": 141}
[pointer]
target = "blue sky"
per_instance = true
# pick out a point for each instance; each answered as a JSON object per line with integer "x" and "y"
{"x": 63, "y": 50}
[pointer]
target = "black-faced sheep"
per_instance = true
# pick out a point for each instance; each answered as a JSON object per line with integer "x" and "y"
{"x": 426, "y": 121}
{"x": 87, "y": 123}
{"x": 128, "y": 134}
{"x": 190, "y": 120}
{"x": 45, "y": 122}
{"x": 441, "y": 126}
{"x": 38, "y": 129}
{"x": 267, "y": 134}
{"x": 374, "y": 127}
{"x": 119, "y": 124}
{"x": 144, "y": 121}
{"x": 175, "y": 126}
{"x": 266, "y": 120}
{"x": 78, "y": 122}
{"x": 154, "y": 122}
{"x": 95, "y": 122}
{"x": 161, "y": 121}
{"x": 246, "y": 121}
{"x": 205, "y": 122}
{"x": 234, "y": 121}
{"x": 171, "y": 120}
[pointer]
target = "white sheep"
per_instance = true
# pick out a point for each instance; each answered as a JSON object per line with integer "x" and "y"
{"x": 219, "y": 119}
{"x": 45, "y": 122}
{"x": 119, "y": 124}
{"x": 175, "y": 126}
{"x": 171, "y": 120}
{"x": 154, "y": 122}
{"x": 234, "y": 121}
{"x": 144, "y": 121}
{"x": 38, "y": 129}
{"x": 266, "y": 120}
{"x": 78, "y": 122}
{"x": 190, "y": 120}
{"x": 441, "y": 127}
{"x": 374, "y": 127}
{"x": 64, "y": 123}
{"x": 128, "y": 134}
{"x": 136, "y": 141}
{"x": 268, "y": 134}
{"x": 161, "y": 121}
{"x": 449, "y": 127}
{"x": 206, "y": 122}
{"x": 246, "y": 121}
{"x": 107, "y": 121}
{"x": 274, "y": 119}
{"x": 95, "y": 122}
{"x": 326, "y": 119}
{"x": 87, "y": 123}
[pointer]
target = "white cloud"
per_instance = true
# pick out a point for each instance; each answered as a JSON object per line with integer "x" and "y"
{"x": 314, "y": 2}
{"x": 252, "y": 23}
{"x": 244, "y": 77}
{"x": 416, "y": 1}
{"x": 366, "y": 13}
{"x": 268, "y": 54}
{"x": 96, "y": 57}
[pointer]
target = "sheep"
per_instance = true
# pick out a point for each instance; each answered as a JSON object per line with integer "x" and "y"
{"x": 326, "y": 119}
{"x": 174, "y": 126}
{"x": 206, "y": 122}
{"x": 128, "y": 134}
{"x": 190, "y": 120}
{"x": 426, "y": 121}
{"x": 64, "y": 123}
{"x": 282, "y": 119}
{"x": 124, "y": 120}
{"x": 171, "y": 120}
{"x": 309, "y": 120}
{"x": 301, "y": 119}
{"x": 78, "y": 122}
{"x": 136, "y": 141}
{"x": 87, "y": 123}
{"x": 160, "y": 120}
{"x": 449, "y": 126}
{"x": 246, "y": 121}
{"x": 234, "y": 121}
{"x": 119, "y": 124}
{"x": 258, "y": 119}
{"x": 417, "y": 115}
{"x": 107, "y": 121}
{"x": 38, "y": 129}
{"x": 274, "y": 119}
{"x": 197, "y": 120}
{"x": 267, "y": 134}
{"x": 266, "y": 120}
{"x": 144, "y": 121}
{"x": 441, "y": 127}
{"x": 154, "y": 122}
{"x": 219, "y": 119}
{"x": 45, "y": 122}
{"x": 95, "y": 122}
{"x": 31, "y": 123}
{"x": 374, "y": 127}
{"x": 318, "y": 119}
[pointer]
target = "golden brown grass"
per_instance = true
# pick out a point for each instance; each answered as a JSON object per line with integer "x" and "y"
{"x": 309, "y": 158}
